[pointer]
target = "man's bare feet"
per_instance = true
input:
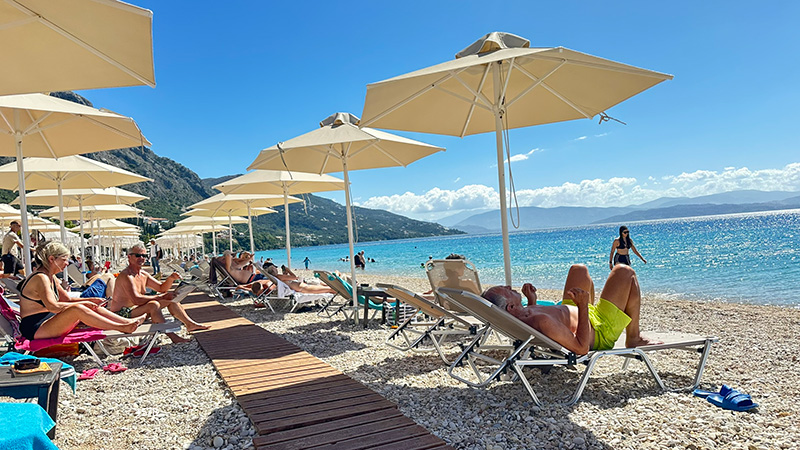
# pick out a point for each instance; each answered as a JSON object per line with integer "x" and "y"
{"x": 641, "y": 341}
{"x": 177, "y": 339}
{"x": 197, "y": 327}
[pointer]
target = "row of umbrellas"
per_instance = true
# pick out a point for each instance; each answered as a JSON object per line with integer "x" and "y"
{"x": 94, "y": 44}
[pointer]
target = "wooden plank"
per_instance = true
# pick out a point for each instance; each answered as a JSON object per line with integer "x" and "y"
{"x": 311, "y": 385}
{"x": 425, "y": 441}
{"x": 329, "y": 432}
{"x": 264, "y": 425}
{"x": 310, "y": 401}
{"x": 379, "y": 437}
{"x": 365, "y": 398}
{"x": 305, "y": 394}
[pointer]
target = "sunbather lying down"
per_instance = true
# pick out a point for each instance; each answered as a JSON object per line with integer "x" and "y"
{"x": 294, "y": 283}
{"x": 578, "y": 324}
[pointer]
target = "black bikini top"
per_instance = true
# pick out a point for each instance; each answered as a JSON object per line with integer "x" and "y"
{"x": 24, "y": 282}
{"x": 622, "y": 244}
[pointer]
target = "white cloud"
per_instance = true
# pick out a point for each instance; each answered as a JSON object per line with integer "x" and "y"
{"x": 581, "y": 138}
{"x": 457, "y": 180}
{"x": 597, "y": 192}
{"x": 521, "y": 156}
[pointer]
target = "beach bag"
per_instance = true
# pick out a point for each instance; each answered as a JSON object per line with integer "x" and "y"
{"x": 116, "y": 346}
{"x": 59, "y": 351}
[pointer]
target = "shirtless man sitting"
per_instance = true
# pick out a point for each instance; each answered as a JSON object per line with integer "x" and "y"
{"x": 578, "y": 324}
{"x": 129, "y": 297}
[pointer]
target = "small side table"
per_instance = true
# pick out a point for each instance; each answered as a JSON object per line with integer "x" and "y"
{"x": 43, "y": 386}
{"x": 371, "y": 292}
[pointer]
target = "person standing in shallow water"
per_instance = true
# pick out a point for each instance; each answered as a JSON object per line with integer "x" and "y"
{"x": 621, "y": 248}
{"x": 306, "y": 261}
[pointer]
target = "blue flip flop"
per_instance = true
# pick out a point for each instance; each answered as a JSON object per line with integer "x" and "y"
{"x": 723, "y": 391}
{"x": 734, "y": 401}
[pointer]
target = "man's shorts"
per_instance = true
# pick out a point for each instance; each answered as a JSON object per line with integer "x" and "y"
{"x": 96, "y": 289}
{"x": 124, "y": 312}
{"x": 608, "y": 322}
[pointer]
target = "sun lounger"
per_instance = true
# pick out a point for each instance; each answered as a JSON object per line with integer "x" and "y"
{"x": 9, "y": 325}
{"x": 219, "y": 279}
{"x": 76, "y": 277}
{"x": 454, "y": 274}
{"x": 533, "y": 349}
{"x": 345, "y": 291}
{"x": 10, "y": 285}
{"x": 428, "y": 333}
{"x": 297, "y": 299}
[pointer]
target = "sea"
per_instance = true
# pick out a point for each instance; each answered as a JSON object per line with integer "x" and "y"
{"x": 749, "y": 258}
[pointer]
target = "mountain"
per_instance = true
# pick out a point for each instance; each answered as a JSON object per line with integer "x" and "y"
{"x": 723, "y": 198}
{"x": 708, "y": 209}
{"x": 532, "y": 218}
{"x": 663, "y": 208}
{"x": 175, "y": 187}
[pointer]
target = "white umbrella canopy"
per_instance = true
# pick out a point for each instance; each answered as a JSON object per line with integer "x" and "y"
{"x": 215, "y": 224}
{"x": 38, "y": 125}
{"x": 82, "y": 197}
{"x": 79, "y": 44}
{"x": 95, "y": 212}
{"x": 339, "y": 145}
{"x": 499, "y": 83}
{"x": 230, "y": 202}
{"x": 281, "y": 182}
{"x": 8, "y": 211}
{"x": 230, "y": 213}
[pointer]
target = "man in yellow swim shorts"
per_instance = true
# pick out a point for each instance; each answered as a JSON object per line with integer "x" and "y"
{"x": 578, "y": 323}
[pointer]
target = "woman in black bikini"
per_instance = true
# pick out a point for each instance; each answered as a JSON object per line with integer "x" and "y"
{"x": 46, "y": 309}
{"x": 622, "y": 246}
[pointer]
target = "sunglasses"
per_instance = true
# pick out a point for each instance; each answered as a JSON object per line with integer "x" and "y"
{"x": 139, "y": 255}
{"x": 624, "y": 232}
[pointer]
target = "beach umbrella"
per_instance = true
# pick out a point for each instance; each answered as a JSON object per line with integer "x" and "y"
{"x": 95, "y": 213}
{"x": 8, "y": 211}
{"x": 499, "y": 83}
{"x": 228, "y": 202}
{"x": 76, "y": 44}
{"x": 230, "y": 213}
{"x": 339, "y": 145}
{"x": 37, "y": 125}
{"x": 213, "y": 221}
{"x": 108, "y": 175}
{"x": 281, "y": 182}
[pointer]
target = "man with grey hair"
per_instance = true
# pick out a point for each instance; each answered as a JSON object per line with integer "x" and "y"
{"x": 130, "y": 297}
{"x": 578, "y": 324}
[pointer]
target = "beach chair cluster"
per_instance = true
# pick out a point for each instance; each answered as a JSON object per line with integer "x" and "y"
{"x": 493, "y": 345}
{"x": 344, "y": 291}
{"x": 9, "y": 327}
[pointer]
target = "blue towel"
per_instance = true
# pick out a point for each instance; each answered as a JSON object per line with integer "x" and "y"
{"x": 72, "y": 380}
{"x": 25, "y": 427}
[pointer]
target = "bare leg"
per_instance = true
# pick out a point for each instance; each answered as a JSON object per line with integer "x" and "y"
{"x": 177, "y": 311}
{"x": 622, "y": 289}
{"x": 153, "y": 309}
{"x": 578, "y": 277}
{"x": 310, "y": 288}
{"x": 63, "y": 322}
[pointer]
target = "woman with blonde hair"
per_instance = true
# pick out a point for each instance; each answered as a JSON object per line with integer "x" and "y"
{"x": 47, "y": 311}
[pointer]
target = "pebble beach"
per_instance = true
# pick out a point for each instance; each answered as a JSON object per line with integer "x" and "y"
{"x": 176, "y": 400}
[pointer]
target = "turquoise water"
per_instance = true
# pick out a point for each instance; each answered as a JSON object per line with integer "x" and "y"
{"x": 744, "y": 258}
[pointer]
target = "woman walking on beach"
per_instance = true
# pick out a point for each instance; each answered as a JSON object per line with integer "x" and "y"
{"x": 622, "y": 246}
{"x": 48, "y": 312}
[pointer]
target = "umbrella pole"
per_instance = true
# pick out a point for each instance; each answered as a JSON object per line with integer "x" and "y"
{"x": 61, "y": 219}
{"x": 354, "y": 283}
{"x": 501, "y": 175}
{"x": 286, "y": 219}
{"x": 230, "y": 233}
{"x": 23, "y": 202}
{"x": 214, "y": 238}
{"x": 250, "y": 227}
{"x": 83, "y": 242}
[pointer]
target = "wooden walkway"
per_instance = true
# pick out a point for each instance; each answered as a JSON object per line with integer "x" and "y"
{"x": 295, "y": 400}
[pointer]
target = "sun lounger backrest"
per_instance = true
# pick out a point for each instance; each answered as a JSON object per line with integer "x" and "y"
{"x": 455, "y": 274}
{"x": 500, "y": 320}
{"x": 10, "y": 317}
{"x": 75, "y": 275}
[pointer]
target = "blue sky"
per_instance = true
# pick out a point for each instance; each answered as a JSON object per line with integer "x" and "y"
{"x": 234, "y": 78}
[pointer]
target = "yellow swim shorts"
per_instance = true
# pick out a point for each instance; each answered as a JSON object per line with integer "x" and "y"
{"x": 608, "y": 322}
